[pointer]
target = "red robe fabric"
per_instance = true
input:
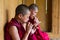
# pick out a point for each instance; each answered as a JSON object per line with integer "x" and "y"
{"x": 38, "y": 35}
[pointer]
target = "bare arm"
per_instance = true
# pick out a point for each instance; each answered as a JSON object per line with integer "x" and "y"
{"x": 26, "y": 36}
{"x": 14, "y": 33}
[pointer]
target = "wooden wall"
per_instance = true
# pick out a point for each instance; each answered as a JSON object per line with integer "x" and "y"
{"x": 2, "y": 18}
{"x": 55, "y": 19}
{"x": 7, "y": 11}
{"x": 59, "y": 16}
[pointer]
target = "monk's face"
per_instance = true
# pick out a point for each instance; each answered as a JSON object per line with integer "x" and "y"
{"x": 25, "y": 18}
{"x": 33, "y": 12}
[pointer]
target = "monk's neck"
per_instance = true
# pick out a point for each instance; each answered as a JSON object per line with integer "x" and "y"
{"x": 20, "y": 21}
{"x": 31, "y": 17}
{"x": 23, "y": 24}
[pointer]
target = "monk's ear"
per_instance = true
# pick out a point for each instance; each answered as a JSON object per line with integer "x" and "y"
{"x": 31, "y": 10}
{"x": 20, "y": 15}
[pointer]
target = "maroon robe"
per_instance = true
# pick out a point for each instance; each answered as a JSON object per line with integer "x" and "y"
{"x": 38, "y": 35}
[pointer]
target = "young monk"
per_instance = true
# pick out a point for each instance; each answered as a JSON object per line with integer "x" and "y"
{"x": 39, "y": 35}
{"x": 15, "y": 29}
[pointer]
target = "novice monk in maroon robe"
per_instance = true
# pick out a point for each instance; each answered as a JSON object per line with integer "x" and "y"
{"x": 15, "y": 29}
{"x": 40, "y": 35}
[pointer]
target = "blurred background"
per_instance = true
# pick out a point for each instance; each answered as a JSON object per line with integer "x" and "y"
{"x": 49, "y": 15}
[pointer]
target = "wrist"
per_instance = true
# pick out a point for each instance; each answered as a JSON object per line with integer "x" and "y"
{"x": 27, "y": 32}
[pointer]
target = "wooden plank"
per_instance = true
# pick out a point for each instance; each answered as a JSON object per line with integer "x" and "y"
{"x": 28, "y": 2}
{"x": 11, "y": 8}
{"x": 59, "y": 16}
{"x": 2, "y": 19}
{"x": 55, "y": 17}
{"x": 42, "y": 14}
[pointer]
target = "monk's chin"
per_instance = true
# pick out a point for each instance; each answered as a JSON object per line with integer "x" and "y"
{"x": 25, "y": 22}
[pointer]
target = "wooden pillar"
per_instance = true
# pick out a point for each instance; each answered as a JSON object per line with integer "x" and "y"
{"x": 59, "y": 16}
{"x": 2, "y": 18}
{"x": 55, "y": 17}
